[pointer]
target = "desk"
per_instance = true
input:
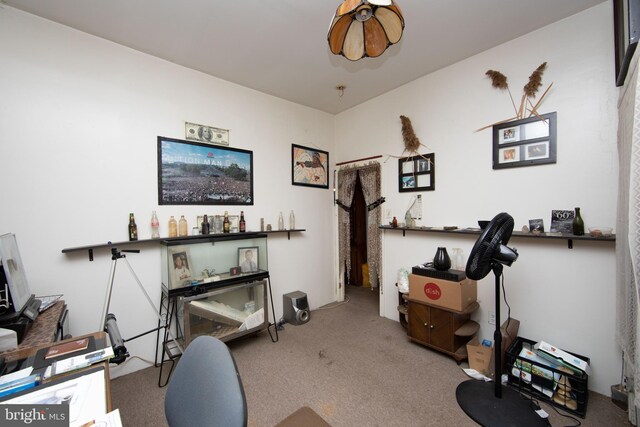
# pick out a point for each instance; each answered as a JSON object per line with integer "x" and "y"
{"x": 42, "y": 333}
{"x": 101, "y": 342}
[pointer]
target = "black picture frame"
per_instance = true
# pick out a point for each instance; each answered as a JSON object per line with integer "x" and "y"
{"x": 417, "y": 173}
{"x": 626, "y": 27}
{"x": 526, "y": 142}
{"x": 309, "y": 167}
{"x": 194, "y": 173}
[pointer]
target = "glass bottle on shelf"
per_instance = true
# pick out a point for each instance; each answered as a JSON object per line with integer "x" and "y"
{"x": 226, "y": 224}
{"x": 183, "y": 228}
{"x": 578, "y": 224}
{"x": 242, "y": 224}
{"x": 292, "y": 221}
{"x": 155, "y": 226}
{"x": 173, "y": 227}
{"x": 133, "y": 228}
{"x": 205, "y": 225}
{"x": 280, "y": 222}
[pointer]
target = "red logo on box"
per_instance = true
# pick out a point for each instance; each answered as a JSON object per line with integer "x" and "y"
{"x": 432, "y": 291}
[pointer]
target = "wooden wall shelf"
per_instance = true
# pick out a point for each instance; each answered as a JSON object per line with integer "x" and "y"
{"x": 476, "y": 231}
{"x": 125, "y": 243}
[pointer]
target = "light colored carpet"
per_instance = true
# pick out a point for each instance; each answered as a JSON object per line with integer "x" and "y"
{"x": 351, "y": 366}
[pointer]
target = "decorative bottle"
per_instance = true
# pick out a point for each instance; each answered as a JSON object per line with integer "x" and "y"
{"x": 280, "y": 222}
{"x": 226, "y": 224}
{"x": 458, "y": 260}
{"x": 292, "y": 221}
{"x": 578, "y": 224}
{"x": 242, "y": 224}
{"x": 442, "y": 261}
{"x": 183, "y": 228}
{"x": 205, "y": 225}
{"x": 155, "y": 226}
{"x": 133, "y": 229}
{"x": 173, "y": 227}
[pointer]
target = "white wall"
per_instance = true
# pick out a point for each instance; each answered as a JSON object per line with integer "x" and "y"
{"x": 79, "y": 118}
{"x": 563, "y": 296}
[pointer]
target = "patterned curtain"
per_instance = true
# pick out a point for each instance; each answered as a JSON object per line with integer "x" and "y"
{"x": 346, "y": 186}
{"x": 628, "y": 229}
{"x": 370, "y": 180}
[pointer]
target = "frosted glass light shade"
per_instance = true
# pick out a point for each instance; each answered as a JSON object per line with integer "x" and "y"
{"x": 362, "y": 28}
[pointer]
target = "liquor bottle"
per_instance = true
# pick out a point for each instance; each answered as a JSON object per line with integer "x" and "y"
{"x": 578, "y": 224}
{"x": 226, "y": 224}
{"x": 173, "y": 227}
{"x": 155, "y": 226}
{"x": 205, "y": 225}
{"x": 242, "y": 224}
{"x": 133, "y": 229}
{"x": 292, "y": 221}
{"x": 280, "y": 222}
{"x": 183, "y": 228}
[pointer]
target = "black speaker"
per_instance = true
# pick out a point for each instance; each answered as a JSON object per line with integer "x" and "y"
{"x": 295, "y": 308}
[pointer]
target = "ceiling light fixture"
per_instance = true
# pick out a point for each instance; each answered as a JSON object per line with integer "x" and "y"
{"x": 365, "y": 28}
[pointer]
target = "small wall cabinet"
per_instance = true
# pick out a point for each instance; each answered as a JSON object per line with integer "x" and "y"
{"x": 445, "y": 330}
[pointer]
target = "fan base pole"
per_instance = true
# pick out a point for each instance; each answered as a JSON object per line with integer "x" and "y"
{"x": 478, "y": 401}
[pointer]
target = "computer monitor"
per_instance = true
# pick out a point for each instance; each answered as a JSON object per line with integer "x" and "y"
{"x": 19, "y": 293}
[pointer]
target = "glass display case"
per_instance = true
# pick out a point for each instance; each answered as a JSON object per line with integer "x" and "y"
{"x": 225, "y": 313}
{"x": 193, "y": 266}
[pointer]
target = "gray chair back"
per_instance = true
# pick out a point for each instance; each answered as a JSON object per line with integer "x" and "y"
{"x": 205, "y": 388}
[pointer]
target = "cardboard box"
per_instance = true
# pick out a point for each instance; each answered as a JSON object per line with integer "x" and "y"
{"x": 480, "y": 357}
{"x": 443, "y": 293}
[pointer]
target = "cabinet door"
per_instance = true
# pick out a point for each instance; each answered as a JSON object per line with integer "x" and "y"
{"x": 440, "y": 327}
{"x": 419, "y": 322}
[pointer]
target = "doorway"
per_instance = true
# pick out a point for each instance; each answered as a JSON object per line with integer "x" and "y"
{"x": 358, "y": 220}
{"x": 359, "y": 237}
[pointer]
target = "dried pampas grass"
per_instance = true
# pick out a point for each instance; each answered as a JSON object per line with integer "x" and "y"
{"x": 499, "y": 81}
{"x": 535, "y": 81}
{"x": 411, "y": 141}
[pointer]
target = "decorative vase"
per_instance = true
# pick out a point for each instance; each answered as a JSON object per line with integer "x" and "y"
{"x": 442, "y": 261}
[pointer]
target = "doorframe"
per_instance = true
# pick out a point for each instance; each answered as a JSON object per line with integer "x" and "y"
{"x": 339, "y": 287}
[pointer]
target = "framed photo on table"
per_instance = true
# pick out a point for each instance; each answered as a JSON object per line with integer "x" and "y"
{"x": 248, "y": 259}
{"x": 309, "y": 167}
{"x": 526, "y": 142}
{"x": 181, "y": 274}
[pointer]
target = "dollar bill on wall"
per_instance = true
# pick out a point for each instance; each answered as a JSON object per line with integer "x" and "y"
{"x": 206, "y": 134}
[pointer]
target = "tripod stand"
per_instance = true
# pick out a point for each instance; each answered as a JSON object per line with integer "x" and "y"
{"x": 108, "y": 321}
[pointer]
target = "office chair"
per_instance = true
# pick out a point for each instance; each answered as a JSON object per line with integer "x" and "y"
{"x": 205, "y": 388}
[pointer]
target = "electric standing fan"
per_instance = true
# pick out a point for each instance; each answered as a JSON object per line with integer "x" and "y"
{"x": 486, "y": 404}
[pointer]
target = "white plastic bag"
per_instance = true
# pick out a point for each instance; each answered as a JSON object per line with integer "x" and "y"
{"x": 403, "y": 281}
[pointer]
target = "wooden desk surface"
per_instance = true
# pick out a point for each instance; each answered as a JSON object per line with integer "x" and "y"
{"x": 101, "y": 342}
{"x": 42, "y": 333}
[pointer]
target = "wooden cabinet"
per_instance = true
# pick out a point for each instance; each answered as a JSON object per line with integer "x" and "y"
{"x": 442, "y": 329}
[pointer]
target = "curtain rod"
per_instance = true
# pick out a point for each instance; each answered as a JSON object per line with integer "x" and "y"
{"x": 358, "y": 160}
